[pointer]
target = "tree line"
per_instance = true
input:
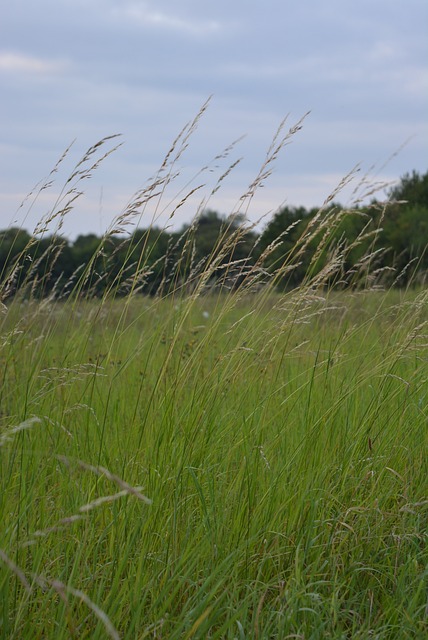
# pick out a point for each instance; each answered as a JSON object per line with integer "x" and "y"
{"x": 390, "y": 240}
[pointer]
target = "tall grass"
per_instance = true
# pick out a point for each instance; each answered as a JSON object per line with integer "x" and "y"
{"x": 216, "y": 461}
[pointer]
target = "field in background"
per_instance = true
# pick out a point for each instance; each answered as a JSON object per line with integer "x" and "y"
{"x": 217, "y": 467}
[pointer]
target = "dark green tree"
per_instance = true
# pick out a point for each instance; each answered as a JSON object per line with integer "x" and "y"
{"x": 279, "y": 241}
{"x": 405, "y": 227}
{"x": 221, "y": 246}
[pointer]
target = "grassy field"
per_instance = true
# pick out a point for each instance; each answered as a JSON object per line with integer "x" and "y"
{"x": 213, "y": 464}
{"x": 215, "y": 467}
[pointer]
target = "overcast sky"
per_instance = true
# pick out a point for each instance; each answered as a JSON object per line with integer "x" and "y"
{"x": 84, "y": 69}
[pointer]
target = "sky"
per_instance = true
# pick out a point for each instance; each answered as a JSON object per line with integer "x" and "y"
{"x": 76, "y": 71}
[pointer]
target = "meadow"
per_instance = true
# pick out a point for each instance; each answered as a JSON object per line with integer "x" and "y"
{"x": 213, "y": 462}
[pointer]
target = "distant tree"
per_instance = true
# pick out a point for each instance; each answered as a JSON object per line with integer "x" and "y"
{"x": 84, "y": 247}
{"x": 12, "y": 242}
{"x": 221, "y": 243}
{"x": 142, "y": 259}
{"x": 89, "y": 257}
{"x": 13, "y": 261}
{"x": 279, "y": 240}
{"x": 405, "y": 228}
{"x": 51, "y": 264}
{"x": 413, "y": 188}
{"x": 154, "y": 260}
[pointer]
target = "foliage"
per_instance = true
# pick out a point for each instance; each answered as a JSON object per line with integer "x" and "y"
{"x": 397, "y": 230}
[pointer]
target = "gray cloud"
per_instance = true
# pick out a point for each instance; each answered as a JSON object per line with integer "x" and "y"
{"x": 88, "y": 69}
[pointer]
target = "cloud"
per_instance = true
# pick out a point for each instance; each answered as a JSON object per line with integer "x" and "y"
{"x": 11, "y": 62}
{"x": 72, "y": 68}
{"x": 141, "y": 15}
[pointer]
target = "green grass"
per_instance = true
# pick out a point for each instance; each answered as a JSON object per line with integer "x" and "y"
{"x": 241, "y": 464}
{"x": 281, "y": 442}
